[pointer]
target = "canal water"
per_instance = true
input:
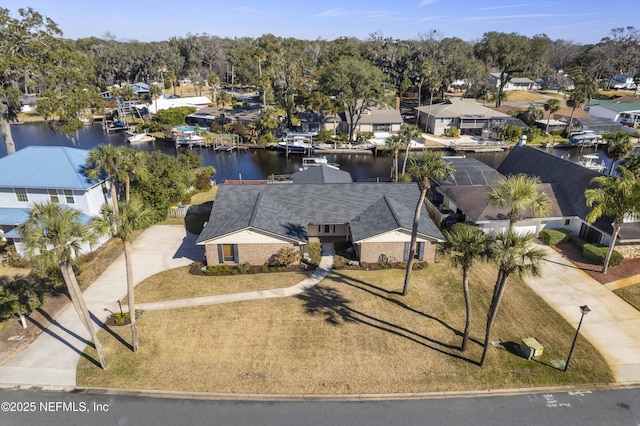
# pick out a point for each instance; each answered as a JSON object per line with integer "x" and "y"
{"x": 247, "y": 165}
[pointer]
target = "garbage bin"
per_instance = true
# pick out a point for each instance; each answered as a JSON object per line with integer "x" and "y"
{"x": 531, "y": 347}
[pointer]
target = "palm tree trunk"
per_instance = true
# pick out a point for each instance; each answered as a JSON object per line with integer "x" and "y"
{"x": 467, "y": 304}
{"x": 127, "y": 189}
{"x": 6, "y": 129}
{"x": 493, "y": 310}
{"x": 612, "y": 244}
{"x": 406, "y": 156}
{"x": 395, "y": 169}
{"x": 114, "y": 197}
{"x": 414, "y": 237}
{"x": 75, "y": 293}
{"x": 130, "y": 294}
{"x": 570, "y": 126}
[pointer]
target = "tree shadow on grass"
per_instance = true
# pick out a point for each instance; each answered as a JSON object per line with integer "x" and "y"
{"x": 61, "y": 339}
{"x": 328, "y": 302}
{"x": 106, "y": 328}
{"x": 383, "y": 293}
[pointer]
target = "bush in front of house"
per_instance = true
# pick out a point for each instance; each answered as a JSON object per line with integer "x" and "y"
{"x": 286, "y": 256}
{"x": 598, "y": 254}
{"x": 553, "y": 237}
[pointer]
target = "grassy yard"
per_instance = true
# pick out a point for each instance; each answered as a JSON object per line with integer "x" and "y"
{"x": 350, "y": 334}
{"x": 203, "y": 197}
{"x": 523, "y": 96}
{"x": 630, "y": 294}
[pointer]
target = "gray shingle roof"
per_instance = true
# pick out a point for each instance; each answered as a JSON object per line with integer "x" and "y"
{"x": 470, "y": 171}
{"x": 287, "y": 210}
{"x": 322, "y": 174}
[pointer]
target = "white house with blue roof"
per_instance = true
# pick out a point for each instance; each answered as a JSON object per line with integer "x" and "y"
{"x": 39, "y": 174}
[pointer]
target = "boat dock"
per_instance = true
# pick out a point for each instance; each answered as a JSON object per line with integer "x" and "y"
{"x": 477, "y": 146}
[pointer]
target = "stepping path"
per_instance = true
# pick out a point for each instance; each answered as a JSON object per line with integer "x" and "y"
{"x": 321, "y": 271}
{"x": 612, "y": 326}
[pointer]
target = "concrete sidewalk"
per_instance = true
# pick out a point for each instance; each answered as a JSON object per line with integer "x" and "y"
{"x": 612, "y": 326}
{"x": 52, "y": 359}
{"x": 318, "y": 275}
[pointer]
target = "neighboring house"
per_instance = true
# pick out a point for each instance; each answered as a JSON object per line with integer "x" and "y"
{"x": 625, "y": 113}
{"x": 309, "y": 122}
{"x": 39, "y": 174}
{"x": 322, "y": 174}
{"x": 251, "y": 223}
{"x": 465, "y": 114}
{"x": 622, "y": 82}
{"x": 164, "y": 103}
{"x": 207, "y": 116}
{"x": 140, "y": 88}
{"x": 381, "y": 121}
{"x": 514, "y": 83}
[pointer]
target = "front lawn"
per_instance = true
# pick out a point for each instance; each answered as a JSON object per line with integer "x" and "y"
{"x": 630, "y": 294}
{"x": 352, "y": 333}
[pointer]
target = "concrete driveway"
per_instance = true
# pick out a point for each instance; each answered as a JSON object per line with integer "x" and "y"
{"x": 53, "y": 357}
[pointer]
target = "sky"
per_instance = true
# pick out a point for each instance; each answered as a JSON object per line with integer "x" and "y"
{"x": 578, "y": 21}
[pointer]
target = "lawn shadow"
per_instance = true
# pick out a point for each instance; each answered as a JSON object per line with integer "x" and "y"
{"x": 327, "y": 301}
{"x": 61, "y": 339}
{"x": 106, "y": 328}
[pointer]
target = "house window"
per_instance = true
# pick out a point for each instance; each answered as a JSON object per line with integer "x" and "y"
{"x": 381, "y": 127}
{"x": 68, "y": 195}
{"x": 567, "y": 222}
{"x": 53, "y": 195}
{"x": 419, "y": 254}
{"x": 21, "y": 195}
{"x": 326, "y": 229}
{"x": 227, "y": 253}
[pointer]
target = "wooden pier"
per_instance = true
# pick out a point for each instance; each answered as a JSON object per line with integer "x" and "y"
{"x": 478, "y": 147}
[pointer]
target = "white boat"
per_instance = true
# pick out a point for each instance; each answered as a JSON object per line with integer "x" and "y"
{"x": 140, "y": 137}
{"x": 586, "y": 138}
{"x": 590, "y": 162}
{"x": 189, "y": 138}
{"x": 317, "y": 161}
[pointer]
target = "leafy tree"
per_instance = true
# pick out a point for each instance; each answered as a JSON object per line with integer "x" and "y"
{"x": 132, "y": 216}
{"x": 173, "y": 116}
{"x": 553, "y": 106}
{"x": 510, "y": 133}
{"x": 514, "y": 254}
{"x": 430, "y": 165}
{"x": 632, "y": 163}
{"x": 356, "y": 86}
{"x": 21, "y": 296}
{"x": 467, "y": 245}
{"x": 53, "y": 236}
{"x": 34, "y": 56}
{"x": 519, "y": 193}
{"x": 616, "y": 197}
{"x": 105, "y": 160}
{"x": 583, "y": 90}
{"x": 619, "y": 146}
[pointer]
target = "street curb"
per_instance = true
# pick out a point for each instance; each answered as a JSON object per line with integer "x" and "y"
{"x": 321, "y": 397}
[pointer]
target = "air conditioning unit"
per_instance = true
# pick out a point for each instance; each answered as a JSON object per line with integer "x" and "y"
{"x": 531, "y": 348}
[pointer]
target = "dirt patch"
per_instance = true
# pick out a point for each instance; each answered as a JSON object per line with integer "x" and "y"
{"x": 627, "y": 268}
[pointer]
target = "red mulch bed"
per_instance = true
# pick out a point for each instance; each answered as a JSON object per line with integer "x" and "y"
{"x": 627, "y": 268}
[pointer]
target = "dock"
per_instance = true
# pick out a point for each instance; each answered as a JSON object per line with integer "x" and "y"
{"x": 478, "y": 147}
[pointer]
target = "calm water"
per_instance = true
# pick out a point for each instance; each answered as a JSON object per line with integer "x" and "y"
{"x": 252, "y": 164}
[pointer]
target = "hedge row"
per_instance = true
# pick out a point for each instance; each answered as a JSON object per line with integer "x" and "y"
{"x": 553, "y": 237}
{"x": 598, "y": 254}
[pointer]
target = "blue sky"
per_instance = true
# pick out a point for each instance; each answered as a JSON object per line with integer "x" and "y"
{"x": 580, "y": 21}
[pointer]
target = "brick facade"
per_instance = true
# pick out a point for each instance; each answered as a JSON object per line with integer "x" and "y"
{"x": 370, "y": 252}
{"x": 255, "y": 254}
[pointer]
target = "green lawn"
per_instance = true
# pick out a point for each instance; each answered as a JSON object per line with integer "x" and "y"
{"x": 631, "y": 294}
{"x": 350, "y": 334}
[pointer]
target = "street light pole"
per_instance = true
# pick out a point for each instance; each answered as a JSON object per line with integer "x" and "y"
{"x": 584, "y": 310}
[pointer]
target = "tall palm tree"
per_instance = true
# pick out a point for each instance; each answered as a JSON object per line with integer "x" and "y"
{"x": 155, "y": 91}
{"x": 53, "y": 236}
{"x": 430, "y": 165}
{"x": 632, "y": 163}
{"x": 408, "y": 132}
{"x": 584, "y": 88}
{"x": 394, "y": 144}
{"x": 467, "y": 245}
{"x": 615, "y": 197}
{"x": 553, "y": 106}
{"x": 105, "y": 160}
{"x": 619, "y": 146}
{"x": 532, "y": 113}
{"x": 132, "y": 165}
{"x": 132, "y": 216}
{"x": 519, "y": 193}
{"x": 513, "y": 253}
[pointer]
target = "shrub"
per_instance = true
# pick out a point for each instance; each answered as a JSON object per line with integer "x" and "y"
{"x": 286, "y": 256}
{"x": 579, "y": 242}
{"x": 217, "y": 269}
{"x": 264, "y": 268}
{"x": 418, "y": 266}
{"x": 244, "y": 268}
{"x": 454, "y": 132}
{"x": 315, "y": 252}
{"x": 598, "y": 254}
{"x": 553, "y": 237}
{"x": 120, "y": 317}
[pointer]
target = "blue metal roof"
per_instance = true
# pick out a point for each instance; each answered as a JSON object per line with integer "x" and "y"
{"x": 55, "y": 167}
{"x": 13, "y": 216}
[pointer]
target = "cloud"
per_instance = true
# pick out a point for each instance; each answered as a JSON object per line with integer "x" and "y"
{"x": 426, "y": 2}
{"x": 509, "y": 6}
{"x": 333, "y": 12}
{"x": 431, "y": 18}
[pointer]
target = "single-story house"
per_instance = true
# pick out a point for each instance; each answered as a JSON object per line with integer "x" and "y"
{"x": 513, "y": 83}
{"x": 622, "y": 82}
{"x": 382, "y": 121}
{"x": 626, "y": 113}
{"x": 465, "y": 114}
{"x": 164, "y": 103}
{"x": 251, "y": 223}
{"x": 39, "y": 174}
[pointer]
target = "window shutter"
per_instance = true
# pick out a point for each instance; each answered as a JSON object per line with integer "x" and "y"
{"x": 235, "y": 253}
{"x": 421, "y": 251}
{"x": 220, "y": 254}
{"x": 407, "y": 246}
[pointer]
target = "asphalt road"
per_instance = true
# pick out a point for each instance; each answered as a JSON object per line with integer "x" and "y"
{"x": 603, "y": 407}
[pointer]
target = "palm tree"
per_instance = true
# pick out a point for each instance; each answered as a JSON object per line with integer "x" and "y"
{"x": 53, "y": 236}
{"x": 632, "y": 163}
{"x": 532, "y": 113}
{"x": 430, "y": 165}
{"x": 394, "y": 144}
{"x": 619, "y": 146}
{"x": 519, "y": 193}
{"x": 105, "y": 160}
{"x": 553, "y": 106}
{"x": 155, "y": 91}
{"x": 408, "y": 132}
{"x": 132, "y": 165}
{"x": 513, "y": 253}
{"x": 616, "y": 197}
{"x": 467, "y": 244}
{"x": 583, "y": 90}
{"x": 132, "y": 216}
